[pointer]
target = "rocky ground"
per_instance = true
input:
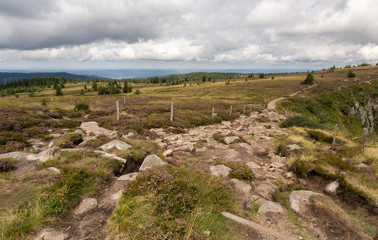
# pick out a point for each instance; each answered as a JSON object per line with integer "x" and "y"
{"x": 248, "y": 140}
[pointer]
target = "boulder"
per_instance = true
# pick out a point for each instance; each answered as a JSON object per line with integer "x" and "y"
{"x": 17, "y": 155}
{"x": 241, "y": 187}
{"x": 120, "y": 145}
{"x": 300, "y": 198}
{"x": 86, "y": 205}
{"x": 92, "y": 127}
{"x": 332, "y": 187}
{"x": 269, "y": 206}
{"x": 257, "y": 199}
{"x": 51, "y": 234}
{"x": 54, "y": 169}
{"x": 264, "y": 190}
{"x": 277, "y": 165}
{"x": 167, "y": 153}
{"x": 128, "y": 177}
{"x": 79, "y": 131}
{"x": 231, "y": 140}
{"x": 253, "y": 165}
{"x": 220, "y": 170}
{"x": 151, "y": 161}
{"x": 289, "y": 175}
{"x": 186, "y": 148}
{"x": 47, "y": 154}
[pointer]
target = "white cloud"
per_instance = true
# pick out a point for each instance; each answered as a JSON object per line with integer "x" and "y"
{"x": 214, "y": 31}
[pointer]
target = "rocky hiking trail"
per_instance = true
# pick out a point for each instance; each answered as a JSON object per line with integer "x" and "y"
{"x": 248, "y": 140}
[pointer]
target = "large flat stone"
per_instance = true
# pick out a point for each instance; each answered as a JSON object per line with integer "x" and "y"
{"x": 120, "y": 145}
{"x": 220, "y": 170}
{"x": 151, "y": 161}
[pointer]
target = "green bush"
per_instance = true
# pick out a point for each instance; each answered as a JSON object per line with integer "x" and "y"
{"x": 351, "y": 74}
{"x": 7, "y": 165}
{"x": 309, "y": 79}
{"x": 81, "y": 107}
{"x": 299, "y": 121}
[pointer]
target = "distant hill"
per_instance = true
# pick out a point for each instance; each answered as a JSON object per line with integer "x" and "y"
{"x": 6, "y": 77}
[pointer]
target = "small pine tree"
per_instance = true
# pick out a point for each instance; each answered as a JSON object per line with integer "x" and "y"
{"x": 351, "y": 74}
{"x": 94, "y": 85}
{"x": 309, "y": 79}
{"x": 85, "y": 86}
{"x": 58, "y": 91}
{"x": 82, "y": 92}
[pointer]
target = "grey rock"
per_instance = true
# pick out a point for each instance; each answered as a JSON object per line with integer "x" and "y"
{"x": 186, "y": 148}
{"x": 167, "y": 153}
{"x": 253, "y": 165}
{"x": 231, "y": 140}
{"x": 16, "y": 155}
{"x": 92, "y": 127}
{"x": 128, "y": 177}
{"x": 110, "y": 155}
{"x": 277, "y": 165}
{"x": 129, "y": 135}
{"x": 220, "y": 170}
{"x": 264, "y": 190}
{"x": 54, "y": 169}
{"x": 269, "y": 206}
{"x": 241, "y": 187}
{"x": 151, "y": 161}
{"x": 289, "y": 175}
{"x": 298, "y": 199}
{"x": 79, "y": 131}
{"x": 55, "y": 135}
{"x": 85, "y": 206}
{"x": 332, "y": 187}
{"x": 51, "y": 234}
{"x": 361, "y": 165}
{"x": 293, "y": 147}
{"x": 120, "y": 145}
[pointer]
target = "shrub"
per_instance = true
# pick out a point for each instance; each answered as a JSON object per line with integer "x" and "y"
{"x": 218, "y": 137}
{"x": 345, "y": 109}
{"x": 309, "y": 79}
{"x": 320, "y": 136}
{"x": 299, "y": 121}
{"x": 239, "y": 171}
{"x": 68, "y": 140}
{"x": 351, "y": 74}
{"x": 81, "y": 107}
{"x": 6, "y": 165}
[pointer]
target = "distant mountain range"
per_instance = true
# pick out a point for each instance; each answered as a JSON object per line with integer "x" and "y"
{"x": 6, "y": 77}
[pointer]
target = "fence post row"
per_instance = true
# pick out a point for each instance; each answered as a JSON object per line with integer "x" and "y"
{"x": 171, "y": 112}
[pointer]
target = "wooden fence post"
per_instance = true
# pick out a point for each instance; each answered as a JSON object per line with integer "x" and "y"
{"x": 334, "y": 135}
{"x": 27, "y": 98}
{"x": 231, "y": 111}
{"x": 51, "y": 97}
{"x": 244, "y": 110}
{"x": 117, "y": 104}
{"x": 171, "y": 112}
{"x": 75, "y": 101}
{"x": 212, "y": 113}
{"x": 363, "y": 140}
{"x": 124, "y": 99}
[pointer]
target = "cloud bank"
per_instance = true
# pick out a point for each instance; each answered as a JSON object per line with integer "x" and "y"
{"x": 242, "y": 32}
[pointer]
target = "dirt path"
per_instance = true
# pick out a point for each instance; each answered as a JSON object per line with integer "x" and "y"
{"x": 273, "y": 104}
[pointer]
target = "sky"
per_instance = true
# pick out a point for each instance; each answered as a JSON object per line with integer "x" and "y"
{"x": 114, "y": 34}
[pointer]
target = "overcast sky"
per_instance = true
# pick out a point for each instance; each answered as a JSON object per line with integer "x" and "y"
{"x": 57, "y": 34}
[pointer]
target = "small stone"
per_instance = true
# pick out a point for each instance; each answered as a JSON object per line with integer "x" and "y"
{"x": 299, "y": 198}
{"x": 54, "y": 169}
{"x": 86, "y": 205}
{"x": 361, "y": 165}
{"x": 253, "y": 165}
{"x": 207, "y": 233}
{"x": 269, "y": 206}
{"x": 129, "y": 135}
{"x": 79, "y": 131}
{"x": 271, "y": 169}
{"x": 293, "y": 147}
{"x": 220, "y": 170}
{"x": 332, "y": 187}
{"x": 264, "y": 190}
{"x": 50, "y": 234}
{"x": 277, "y": 165}
{"x": 302, "y": 181}
{"x": 186, "y": 148}
{"x": 167, "y": 153}
{"x": 289, "y": 175}
{"x": 120, "y": 145}
{"x": 128, "y": 177}
{"x": 151, "y": 161}
{"x": 231, "y": 140}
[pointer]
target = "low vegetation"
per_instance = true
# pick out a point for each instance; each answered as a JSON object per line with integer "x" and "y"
{"x": 174, "y": 203}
